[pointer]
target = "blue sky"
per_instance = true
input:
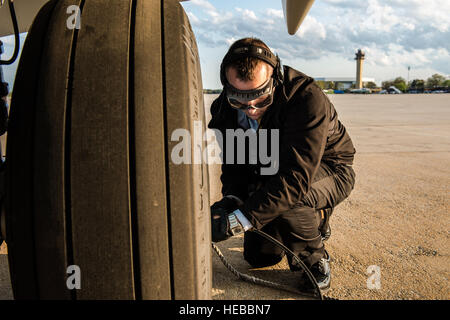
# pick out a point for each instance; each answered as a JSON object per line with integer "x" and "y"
{"x": 394, "y": 34}
{"x": 9, "y": 71}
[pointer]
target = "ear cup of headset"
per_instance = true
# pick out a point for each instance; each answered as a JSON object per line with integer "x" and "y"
{"x": 223, "y": 78}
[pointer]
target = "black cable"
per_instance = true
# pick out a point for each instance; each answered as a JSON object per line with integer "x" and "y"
{"x": 16, "y": 35}
{"x": 255, "y": 280}
{"x": 296, "y": 258}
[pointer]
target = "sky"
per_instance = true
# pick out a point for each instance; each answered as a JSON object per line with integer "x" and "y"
{"x": 9, "y": 71}
{"x": 394, "y": 34}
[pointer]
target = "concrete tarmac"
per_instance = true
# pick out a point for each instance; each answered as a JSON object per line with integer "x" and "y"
{"x": 390, "y": 238}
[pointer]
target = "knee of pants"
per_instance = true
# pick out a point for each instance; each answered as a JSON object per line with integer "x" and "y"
{"x": 259, "y": 252}
{"x": 300, "y": 223}
{"x": 347, "y": 182}
{"x": 259, "y": 260}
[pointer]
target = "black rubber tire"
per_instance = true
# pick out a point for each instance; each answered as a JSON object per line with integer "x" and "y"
{"x": 89, "y": 178}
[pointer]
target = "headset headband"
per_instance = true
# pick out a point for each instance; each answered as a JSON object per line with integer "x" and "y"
{"x": 254, "y": 51}
{"x": 251, "y": 51}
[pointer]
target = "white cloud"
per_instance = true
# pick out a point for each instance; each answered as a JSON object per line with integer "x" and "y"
{"x": 213, "y": 16}
{"x": 311, "y": 28}
{"x": 230, "y": 41}
{"x": 247, "y": 14}
{"x": 379, "y": 17}
{"x": 394, "y": 33}
{"x": 192, "y": 18}
{"x": 275, "y": 13}
{"x": 397, "y": 55}
{"x": 203, "y": 4}
{"x": 434, "y": 13}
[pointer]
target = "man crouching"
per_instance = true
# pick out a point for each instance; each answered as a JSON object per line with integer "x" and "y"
{"x": 314, "y": 172}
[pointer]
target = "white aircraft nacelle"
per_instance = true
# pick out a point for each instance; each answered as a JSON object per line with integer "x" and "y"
{"x": 295, "y": 12}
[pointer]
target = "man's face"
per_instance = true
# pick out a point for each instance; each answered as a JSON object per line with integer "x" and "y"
{"x": 261, "y": 74}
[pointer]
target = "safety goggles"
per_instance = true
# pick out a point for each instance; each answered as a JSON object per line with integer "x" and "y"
{"x": 239, "y": 99}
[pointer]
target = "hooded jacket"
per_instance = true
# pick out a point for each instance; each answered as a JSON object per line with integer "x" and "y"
{"x": 309, "y": 133}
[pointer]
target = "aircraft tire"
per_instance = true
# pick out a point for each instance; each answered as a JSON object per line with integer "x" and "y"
{"x": 96, "y": 208}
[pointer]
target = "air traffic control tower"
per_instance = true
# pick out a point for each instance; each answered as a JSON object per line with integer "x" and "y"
{"x": 359, "y": 65}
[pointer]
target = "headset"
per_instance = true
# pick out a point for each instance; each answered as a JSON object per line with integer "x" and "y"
{"x": 259, "y": 52}
{"x": 234, "y": 95}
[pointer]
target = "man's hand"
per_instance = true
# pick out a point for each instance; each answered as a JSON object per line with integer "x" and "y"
{"x": 227, "y": 220}
{"x": 220, "y": 224}
{"x": 227, "y": 203}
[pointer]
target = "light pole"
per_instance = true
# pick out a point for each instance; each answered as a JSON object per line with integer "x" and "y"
{"x": 407, "y": 83}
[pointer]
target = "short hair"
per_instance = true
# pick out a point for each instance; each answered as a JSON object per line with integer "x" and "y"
{"x": 246, "y": 67}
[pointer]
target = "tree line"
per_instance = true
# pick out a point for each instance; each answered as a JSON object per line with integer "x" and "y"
{"x": 435, "y": 82}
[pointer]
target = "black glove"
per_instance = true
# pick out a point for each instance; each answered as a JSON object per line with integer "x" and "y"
{"x": 220, "y": 227}
{"x": 229, "y": 204}
{"x": 220, "y": 222}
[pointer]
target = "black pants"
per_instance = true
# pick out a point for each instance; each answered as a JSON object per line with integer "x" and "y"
{"x": 298, "y": 228}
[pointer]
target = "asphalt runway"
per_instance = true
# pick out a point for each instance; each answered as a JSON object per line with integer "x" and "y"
{"x": 395, "y": 222}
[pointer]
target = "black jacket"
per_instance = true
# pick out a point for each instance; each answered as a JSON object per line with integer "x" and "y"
{"x": 309, "y": 131}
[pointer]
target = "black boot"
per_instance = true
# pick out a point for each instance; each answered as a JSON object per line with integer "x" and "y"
{"x": 326, "y": 234}
{"x": 324, "y": 228}
{"x": 322, "y": 273}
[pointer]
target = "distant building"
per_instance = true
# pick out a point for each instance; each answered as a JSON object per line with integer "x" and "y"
{"x": 343, "y": 83}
